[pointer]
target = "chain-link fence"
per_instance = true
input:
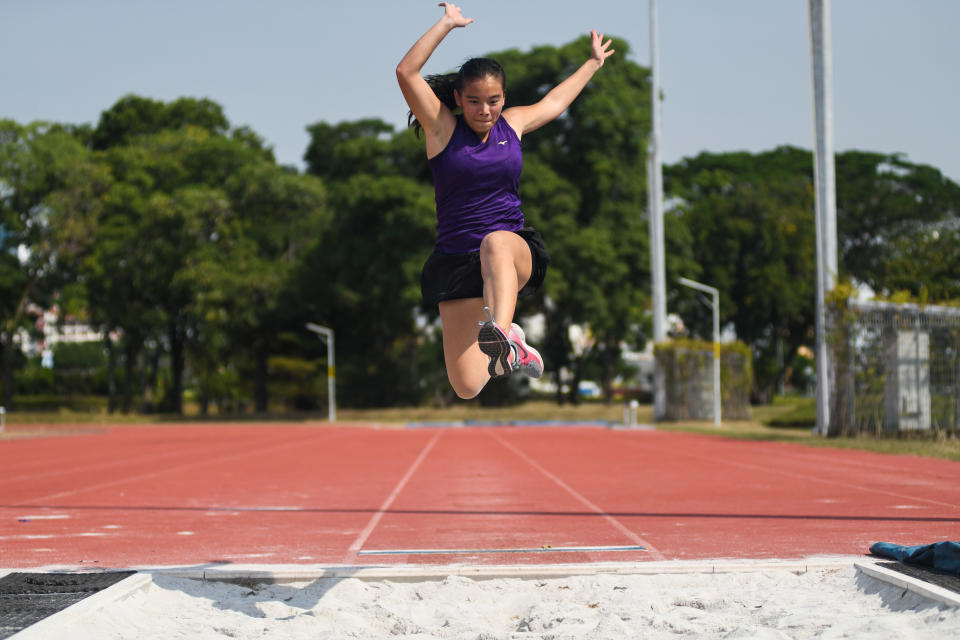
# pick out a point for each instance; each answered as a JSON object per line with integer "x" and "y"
{"x": 896, "y": 368}
{"x": 688, "y": 378}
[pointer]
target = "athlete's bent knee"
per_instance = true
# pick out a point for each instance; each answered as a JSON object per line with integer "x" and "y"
{"x": 464, "y": 391}
{"x": 468, "y": 394}
{"x": 495, "y": 242}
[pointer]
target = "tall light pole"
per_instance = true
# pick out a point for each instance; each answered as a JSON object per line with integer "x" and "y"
{"x": 716, "y": 341}
{"x": 826, "y": 196}
{"x": 655, "y": 205}
{"x": 327, "y": 336}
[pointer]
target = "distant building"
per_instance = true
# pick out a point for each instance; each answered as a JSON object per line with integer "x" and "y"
{"x": 49, "y": 330}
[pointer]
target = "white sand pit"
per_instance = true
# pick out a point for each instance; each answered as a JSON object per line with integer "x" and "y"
{"x": 820, "y": 603}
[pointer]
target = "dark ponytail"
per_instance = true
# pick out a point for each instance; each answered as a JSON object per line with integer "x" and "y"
{"x": 444, "y": 84}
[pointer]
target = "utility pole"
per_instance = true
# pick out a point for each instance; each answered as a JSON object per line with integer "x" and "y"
{"x": 655, "y": 206}
{"x": 826, "y": 197}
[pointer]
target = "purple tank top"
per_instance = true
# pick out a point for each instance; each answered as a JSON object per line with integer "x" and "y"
{"x": 477, "y": 186}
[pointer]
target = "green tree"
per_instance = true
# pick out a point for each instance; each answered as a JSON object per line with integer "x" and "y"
{"x": 341, "y": 151}
{"x": 895, "y": 220}
{"x": 249, "y": 265}
{"x": 133, "y": 115}
{"x": 51, "y": 191}
{"x": 751, "y": 221}
{"x": 143, "y": 241}
{"x": 190, "y": 198}
{"x": 362, "y": 280}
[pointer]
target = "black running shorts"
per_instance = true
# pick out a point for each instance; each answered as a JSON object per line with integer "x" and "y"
{"x": 447, "y": 276}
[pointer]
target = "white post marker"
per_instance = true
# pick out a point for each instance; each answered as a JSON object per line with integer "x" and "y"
{"x": 630, "y": 413}
{"x": 716, "y": 341}
{"x": 327, "y": 336}
{"x": 3, "y": 419}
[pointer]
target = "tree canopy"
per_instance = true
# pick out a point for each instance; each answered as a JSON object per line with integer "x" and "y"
{"x": 201, "y": 259}
{"x": 752, "y": 217}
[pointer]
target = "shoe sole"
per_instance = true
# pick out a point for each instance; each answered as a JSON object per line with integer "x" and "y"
{"x": 495, "y": 346}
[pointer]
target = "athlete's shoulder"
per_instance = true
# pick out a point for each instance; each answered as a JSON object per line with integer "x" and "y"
{"x": 511, "y": 122}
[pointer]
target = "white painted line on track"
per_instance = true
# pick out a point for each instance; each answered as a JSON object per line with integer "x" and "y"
{"x": 619, "y": 526}
{"x": 50, "y": 536}
{"x": 546, "y": 549}
{"x": 375, "y": 520}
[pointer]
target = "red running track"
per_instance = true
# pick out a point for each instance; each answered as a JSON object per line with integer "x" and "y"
{"x": 201, "y": 495}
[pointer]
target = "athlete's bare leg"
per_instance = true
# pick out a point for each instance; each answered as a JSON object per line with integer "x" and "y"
{"x": 466, "y": 364}
{"x": 506, "y": 265}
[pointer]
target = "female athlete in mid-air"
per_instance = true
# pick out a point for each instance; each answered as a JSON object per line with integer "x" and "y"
{"x": 484, "y": 257}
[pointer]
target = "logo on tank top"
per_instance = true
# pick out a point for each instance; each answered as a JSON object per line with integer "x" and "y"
{"x": 501, "y": 142}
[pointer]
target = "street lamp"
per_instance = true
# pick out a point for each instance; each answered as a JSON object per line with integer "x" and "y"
{"x": 327, "y": 336}
{"x": 716, "y": 341}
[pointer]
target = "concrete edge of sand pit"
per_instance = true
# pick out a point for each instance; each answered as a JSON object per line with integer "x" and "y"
{"x": 284, "y": 573}
{"x": 414, "y": 573}
{"x": 903, "y": 581}
{"x": 58, "y": 624}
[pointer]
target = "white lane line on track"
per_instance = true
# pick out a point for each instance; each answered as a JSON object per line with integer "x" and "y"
{"x": 427, "y": 552}
{"x": 619, "y": 526}
{"x": 375, "y": 520}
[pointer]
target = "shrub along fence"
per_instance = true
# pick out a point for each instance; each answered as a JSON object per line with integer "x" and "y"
{"x": 688, "y": 376}
{"x": 896, "y": 368}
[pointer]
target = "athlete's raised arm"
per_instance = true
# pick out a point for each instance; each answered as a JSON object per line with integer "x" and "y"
{"x": 528, "y": 118}
{"x": 436, "y": 119}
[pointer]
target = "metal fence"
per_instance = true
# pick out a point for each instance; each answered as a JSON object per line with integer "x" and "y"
{"x": 688, "y": 380}
{"x": 896, "y": 368}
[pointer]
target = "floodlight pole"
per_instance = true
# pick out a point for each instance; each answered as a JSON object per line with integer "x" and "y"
{"x": 716, "y": 341}
{"x": 655, "y": 207}
{"x": 327, "y": 336}
{"x": 826, "y": 197}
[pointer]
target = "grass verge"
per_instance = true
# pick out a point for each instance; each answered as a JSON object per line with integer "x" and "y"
{"x": 66, "y": 420}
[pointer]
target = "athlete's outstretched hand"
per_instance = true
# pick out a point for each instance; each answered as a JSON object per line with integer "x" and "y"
{"x": 453, "y": 13}
{"x": 599, "y": 48}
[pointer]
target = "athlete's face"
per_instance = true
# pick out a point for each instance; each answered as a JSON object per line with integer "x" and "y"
{"x": 482, "y": 101}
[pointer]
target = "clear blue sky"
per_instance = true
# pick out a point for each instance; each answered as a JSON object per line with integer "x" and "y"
{"x": 735, "y": 73}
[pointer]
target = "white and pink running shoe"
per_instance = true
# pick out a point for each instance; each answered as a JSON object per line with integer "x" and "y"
{"x": 526, "y": 359}
{"x": 508, "y": 351}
